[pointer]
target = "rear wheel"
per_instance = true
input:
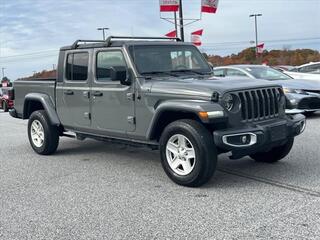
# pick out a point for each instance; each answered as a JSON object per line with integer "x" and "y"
{"x": 5, "y": 106}
{"x": 188, "y": 154}
{"x": 43, "y": 137}
{"x": 275, "y": 154}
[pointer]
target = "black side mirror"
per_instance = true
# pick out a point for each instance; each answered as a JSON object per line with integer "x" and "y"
{"x": 120, "y": 74}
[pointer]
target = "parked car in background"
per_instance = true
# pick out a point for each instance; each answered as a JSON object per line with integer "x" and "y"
{"x": 283, "y": 68}
{"x": 6, "y": 99}
{"x": 302, "y": 95}
{"x": 313, "y": 67}
{"x": 309, "y": 71}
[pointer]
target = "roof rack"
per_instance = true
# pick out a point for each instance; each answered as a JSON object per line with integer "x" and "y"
{"x": 109, "y": 39}
{"x": 76, "y": 43}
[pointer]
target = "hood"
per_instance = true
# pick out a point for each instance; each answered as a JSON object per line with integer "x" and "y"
{"x": 299, "y": 84}
{"x": 205, "y": 87}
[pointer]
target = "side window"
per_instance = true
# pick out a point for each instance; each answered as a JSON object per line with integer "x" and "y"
{"x": 77, "y": 66}
{"x": 218, "y": 72}
{"x": 304, "y": 69}
{"x": 69, "y": 66}
{"x": 234, "y": 72}
{"x": 106, "y": 61}
{"x": 311, "y": 68}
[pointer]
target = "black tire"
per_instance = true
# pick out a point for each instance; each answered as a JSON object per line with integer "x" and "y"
{"x": 51, "y": 134}
{"x": 206, "y": 156}
{"x": 5, "y": 106}
{"x": 309, "y": 114}
{"x": 275, "y": 154}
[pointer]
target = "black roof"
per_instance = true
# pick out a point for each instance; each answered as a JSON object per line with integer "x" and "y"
{"x": 123, "y": 41}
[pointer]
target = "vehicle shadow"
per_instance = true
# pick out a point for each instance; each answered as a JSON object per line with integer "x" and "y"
{"x": 85, "y": 148}
{"x": 316, "y": 115}
{"x": 230, "y": 173}
{"x": 245, "y": 172}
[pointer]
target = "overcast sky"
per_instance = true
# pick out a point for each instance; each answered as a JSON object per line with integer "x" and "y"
{"x": 31, "y": 31}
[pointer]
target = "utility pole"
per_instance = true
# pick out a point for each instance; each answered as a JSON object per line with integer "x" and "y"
{"x": 256, "y": 29}
{"x": 3, "y": 72}
{"x": 175, "y": 23}
{"x": 181, "y": 21}
{"x": 103, "y": 29}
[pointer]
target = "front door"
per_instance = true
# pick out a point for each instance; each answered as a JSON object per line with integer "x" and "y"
{"x": 73, "y": 100}
{"x": 112, "y": 103}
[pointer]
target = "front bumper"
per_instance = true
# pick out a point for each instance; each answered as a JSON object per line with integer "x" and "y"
{"x": 258, "y": 137}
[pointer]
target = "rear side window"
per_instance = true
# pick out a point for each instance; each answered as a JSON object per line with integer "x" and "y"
{"x": 77, "y": 66}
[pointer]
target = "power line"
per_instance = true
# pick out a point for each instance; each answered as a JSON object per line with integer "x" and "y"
{"x": 205, "y": 43}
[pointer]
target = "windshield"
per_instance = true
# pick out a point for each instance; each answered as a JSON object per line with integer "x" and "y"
{"x": 168, "y": 60}
{"x": 267, "y": 73}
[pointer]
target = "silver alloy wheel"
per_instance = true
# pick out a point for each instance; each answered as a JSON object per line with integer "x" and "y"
{"x": 37, "y": 133}
{"x": 180, "y": 154}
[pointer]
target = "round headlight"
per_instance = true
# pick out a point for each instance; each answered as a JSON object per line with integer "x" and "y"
{"x": 228, "y": 102}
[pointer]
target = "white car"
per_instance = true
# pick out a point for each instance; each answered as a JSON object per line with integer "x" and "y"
{"x": 310, "y": 71}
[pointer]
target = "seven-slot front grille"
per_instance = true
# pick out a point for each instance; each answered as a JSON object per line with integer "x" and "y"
{"x": 260, "y": 104}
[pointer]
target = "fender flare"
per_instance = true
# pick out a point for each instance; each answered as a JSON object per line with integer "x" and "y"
{"x": 185, "y": 106}
{"x": 47, "y": 104}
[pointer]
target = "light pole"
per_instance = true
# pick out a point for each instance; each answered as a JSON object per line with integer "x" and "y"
{"x": 103, "y": 29}
{"x": 181, "y": 21}
{"x": 3, "y": 72}
{"x": 256, "y": 29}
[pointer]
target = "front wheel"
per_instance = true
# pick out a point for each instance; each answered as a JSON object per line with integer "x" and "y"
{"x": 275, "y": 154}
{"x": 43, "y": 137}
{"x": 188, "y": 153}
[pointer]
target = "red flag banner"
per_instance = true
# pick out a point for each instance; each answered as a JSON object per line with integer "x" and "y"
{"x": 196, "y": 37}
{"x": 169, "y": 5}
{"x": 172, "y": 34}
{"x": 260, "y": 48}
{"x": 209, "y": 6}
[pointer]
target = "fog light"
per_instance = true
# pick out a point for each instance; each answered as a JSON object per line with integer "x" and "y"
{"x": 240, "y": 140}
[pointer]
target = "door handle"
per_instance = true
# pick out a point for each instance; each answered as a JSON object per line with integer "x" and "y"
{"x": 68, "y": 92}
{"x": 98, "y": 94}
{"x": 86, "y": 94}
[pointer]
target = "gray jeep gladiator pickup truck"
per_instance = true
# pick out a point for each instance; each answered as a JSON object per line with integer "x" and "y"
{"x": 158, "y": 93}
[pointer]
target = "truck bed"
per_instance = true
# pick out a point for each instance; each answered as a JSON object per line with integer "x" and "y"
{"x": 25, "y": 86}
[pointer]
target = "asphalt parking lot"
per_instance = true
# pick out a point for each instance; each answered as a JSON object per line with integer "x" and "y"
{"x": 97, "y": 190}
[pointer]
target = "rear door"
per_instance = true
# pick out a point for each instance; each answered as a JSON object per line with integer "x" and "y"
{"x": 112, "y": 102}
{"x": 73, "y": 100}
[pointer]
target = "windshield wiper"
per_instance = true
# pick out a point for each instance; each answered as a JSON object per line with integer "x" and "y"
{"x": 189, "y": 71}
{"x": 159, "y": 73}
